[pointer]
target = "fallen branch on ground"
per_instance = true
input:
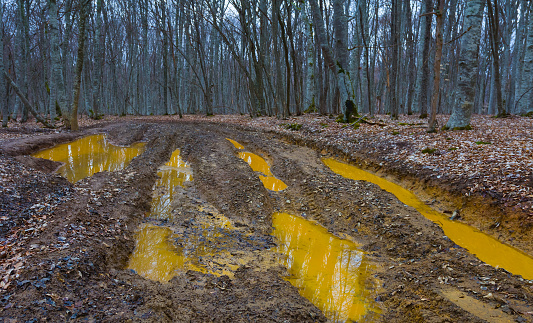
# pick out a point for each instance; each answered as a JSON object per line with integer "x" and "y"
{"x": 27, "y": 103}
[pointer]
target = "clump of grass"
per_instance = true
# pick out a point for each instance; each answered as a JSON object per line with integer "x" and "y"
{"x": 324, "y": 125}
{"x": 291, "y": 126}
{"x": 483, "y": 143}
{"x": 452, "y": 148}
{"x": 429, "y": 150}
{"x": 340, "y": 118}
{"x": 395, "y": 133}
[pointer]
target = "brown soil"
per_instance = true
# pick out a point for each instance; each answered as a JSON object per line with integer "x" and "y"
{"x": 74, "y": 266}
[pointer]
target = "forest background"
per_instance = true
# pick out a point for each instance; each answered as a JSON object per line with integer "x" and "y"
{"x": 275, "y": 58}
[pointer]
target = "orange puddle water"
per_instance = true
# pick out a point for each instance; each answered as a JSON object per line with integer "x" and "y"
{"x": 485, "y": 247}
{"x": 328, "y": 271}
{"x": 236, "y": 144}
{"x": 203, "y": 249}
{"x": 155, "y": 257}
{"x": 171, "y": 175}
{"x": 259, "y": 164}
{"x": 90, "y": 155}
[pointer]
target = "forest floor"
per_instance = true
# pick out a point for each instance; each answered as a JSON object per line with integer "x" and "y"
{"x": 64, "y": 247}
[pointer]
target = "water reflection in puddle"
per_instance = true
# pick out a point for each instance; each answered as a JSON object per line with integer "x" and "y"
{"x": 171, "y": 175}
{"x": 485, "y": 247}
{"x": 206, "y": 241}
{"x": 90, "y": 155}
{"x": 328, "y": 271}
{"x": 259, "y": 164}
{"x": 155, "y": 257}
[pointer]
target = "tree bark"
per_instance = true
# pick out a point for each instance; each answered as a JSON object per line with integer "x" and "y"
{"x": 3, "y": 96}
{"x": 84, "y": 11}
{"x": 57, "y": 87}
{"x": 423, "y": 75}
{"x": 436, "y": 69}
{"x": 340, "y": 74}
{"x": 468, "y": 63}
{"x": 525, "y": 94}
{"x": 494, "y": 33}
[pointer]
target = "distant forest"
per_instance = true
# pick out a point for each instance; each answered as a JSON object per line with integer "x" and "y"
{"x": 266, "y": 57}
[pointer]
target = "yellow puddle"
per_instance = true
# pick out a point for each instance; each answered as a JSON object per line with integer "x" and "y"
{"x": 155, "y": 257}
{"x": 203, "y": 244}
{"x": 485, "y": 247}
{"x": 328, "y": 271}
{"x": 272, "y": 183}
{"x": 172, "y": 174}
{"x": 90, "y": 155}
{"x": 236, "y": 144}
{"x": 259, "y": 164}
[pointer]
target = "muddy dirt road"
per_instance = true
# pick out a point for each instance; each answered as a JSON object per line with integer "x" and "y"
{"x": 75, "y": 264}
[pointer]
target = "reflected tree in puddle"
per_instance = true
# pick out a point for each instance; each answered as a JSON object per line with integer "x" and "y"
{"x": 485, "y": 247}
{"x": 259, "y": 164}
{"x": 90, "y": 155}
{"x": 327, "y": 270}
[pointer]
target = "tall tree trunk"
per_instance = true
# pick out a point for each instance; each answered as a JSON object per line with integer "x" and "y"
{"x": 3, "y": 96}
{"x": 310, "y": 103}
{"x": 338, "y": 67}
{"x": 436, "y": 68}
{"x": 514, "y": 77}
{"x": 98, "y": 61}
{"x": 57, "y": 86}
{"x": 412, "y": 66}
{"x": 525, "y": 94}
{"x": 344, "y": 84}
{"x": 85, "y": 6}
{"x": 165, "y": 56}
{"x": 423, "y": 72}
{"x": 468, "y": 62}
{"x": 395, "y": 43}
{"x": 494, "y": 33}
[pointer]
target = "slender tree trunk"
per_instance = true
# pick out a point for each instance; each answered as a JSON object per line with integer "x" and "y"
{"x": 436, "y": 69}
{"x": 85, "y": 6}
{"x": 310, "y": 103}
{"x": 98, "y": 61}
{"x": 395, "y": 43}
{"x": 468, "y": 63}
{"x": 423, "y": 76}
{"x": 494, "y": 33}
{"x": 57, "y": 85}
{"x": 525, "y": 94}
{"x": 3, "y": 96}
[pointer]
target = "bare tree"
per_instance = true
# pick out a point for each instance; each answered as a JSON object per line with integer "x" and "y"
{"x": 436, "y": 68}
{"x": 3, "y": 96}
{"x": 468, "y": 63}
{"x": 85, "y": 6}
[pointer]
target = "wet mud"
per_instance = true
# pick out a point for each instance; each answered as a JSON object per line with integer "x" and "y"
{"x": 223, "y": 259}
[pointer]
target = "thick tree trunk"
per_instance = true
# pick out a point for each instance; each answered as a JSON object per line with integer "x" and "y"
{"x": 436, "y": 69}
{"x": 57, "y": 85}
{"x": 84, "y": 11}
{"x": 310, "y": 100}
{"x": 98, "y": 62}
{"x": 423, "y": 75}
{"x": 468, "y": 63}
{"x": 340, "y": 74}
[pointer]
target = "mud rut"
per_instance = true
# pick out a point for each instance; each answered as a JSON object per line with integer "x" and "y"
{"x": 421, "y": 276}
